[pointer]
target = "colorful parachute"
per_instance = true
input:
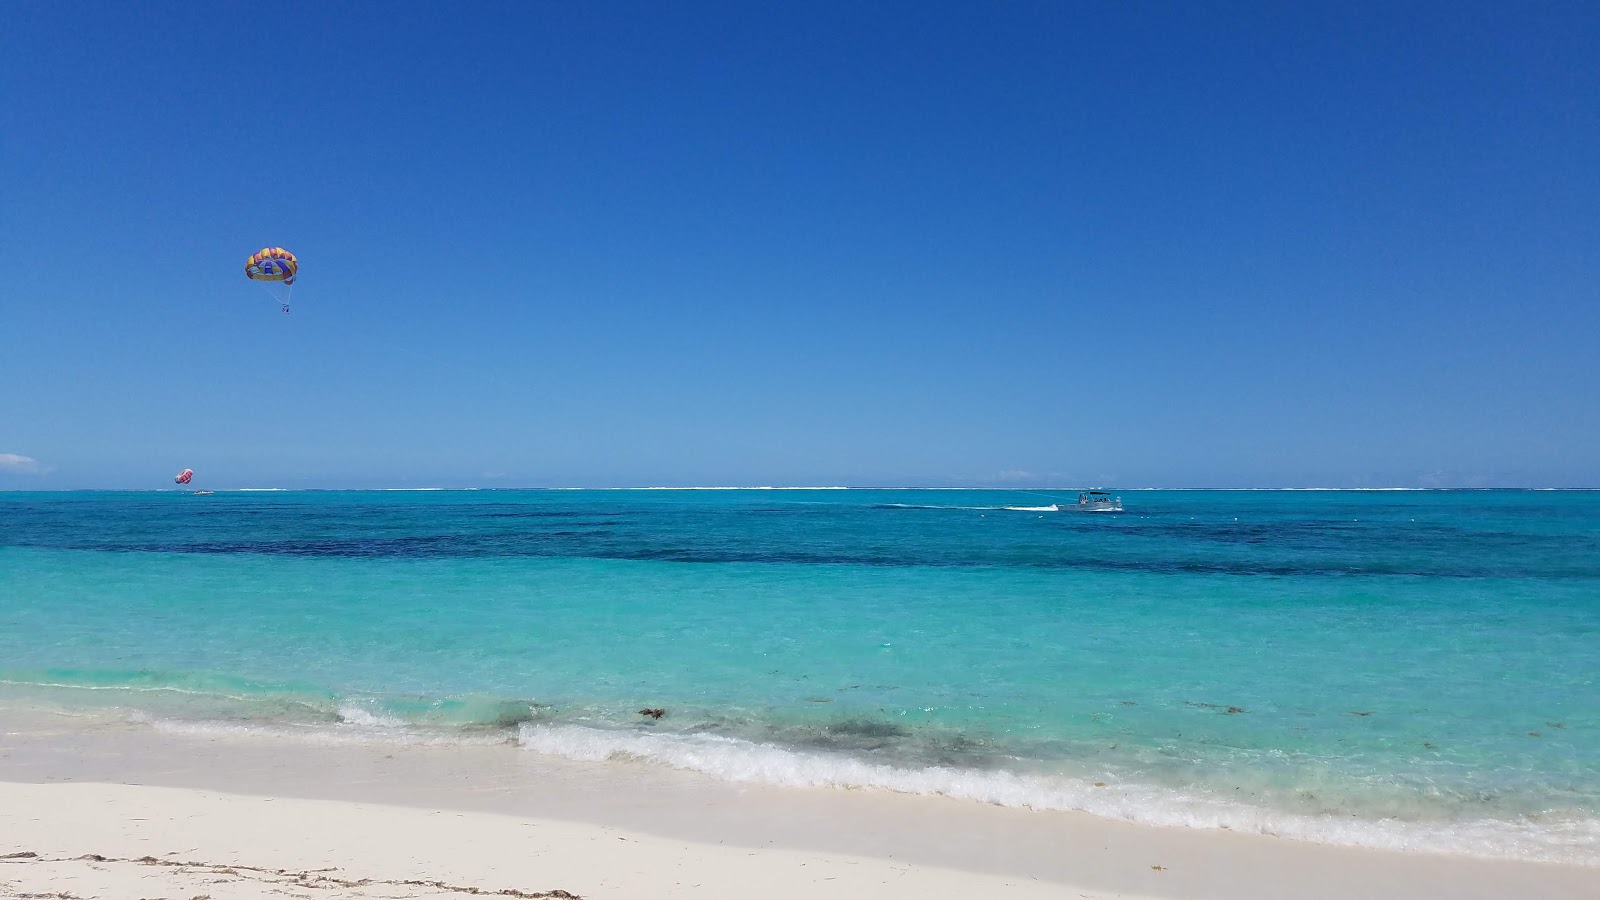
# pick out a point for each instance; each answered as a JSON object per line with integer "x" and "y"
{"x": 184, "y": 477}
{"x": 272, "y": 264}
{"x": 274, "y": 268}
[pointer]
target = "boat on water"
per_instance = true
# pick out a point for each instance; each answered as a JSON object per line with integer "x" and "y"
{"x": 1093, "y": 501}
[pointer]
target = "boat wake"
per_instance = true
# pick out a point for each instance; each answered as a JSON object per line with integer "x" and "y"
{"x": 1051, "y": 508}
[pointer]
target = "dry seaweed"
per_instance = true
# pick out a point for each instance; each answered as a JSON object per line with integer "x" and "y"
{"x": 304, "y": 878}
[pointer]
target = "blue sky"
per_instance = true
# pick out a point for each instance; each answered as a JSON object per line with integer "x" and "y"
{"x": 675, "y": 244}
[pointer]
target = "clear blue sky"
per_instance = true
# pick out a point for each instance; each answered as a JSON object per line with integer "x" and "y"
{"x": 817, "y": 243}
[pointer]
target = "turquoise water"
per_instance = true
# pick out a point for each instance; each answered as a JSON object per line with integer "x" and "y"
{"x": 1405, "y": 669}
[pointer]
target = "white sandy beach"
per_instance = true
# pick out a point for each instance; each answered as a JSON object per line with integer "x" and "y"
{"x": 102, "y": 840}
{"x": 110, "y": 811}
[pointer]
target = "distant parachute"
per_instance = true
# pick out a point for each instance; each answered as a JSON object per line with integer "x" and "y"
{"x": 184, "y": 477}
{"x": 274, "y": 268}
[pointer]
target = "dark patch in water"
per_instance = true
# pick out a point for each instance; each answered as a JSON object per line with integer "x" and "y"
{"x": 595, "y": 544}
{"x": 546, "y": 514}
{"x": 871, "y": 728}
{"x": 959, "y": 751}
{"x": 814, "y": 535}
{"x": 513, "y": 713}
{"x": 1228, "y": 710}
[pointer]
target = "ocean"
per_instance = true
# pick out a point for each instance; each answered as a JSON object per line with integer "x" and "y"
{"x": 1402, "y": 669}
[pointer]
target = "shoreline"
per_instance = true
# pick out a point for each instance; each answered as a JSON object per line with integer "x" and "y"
{"x": 749, "y": 761}
{"x": 677, "y": 819}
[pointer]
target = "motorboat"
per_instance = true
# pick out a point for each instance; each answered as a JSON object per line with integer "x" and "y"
{"x": 1093, "y": 501}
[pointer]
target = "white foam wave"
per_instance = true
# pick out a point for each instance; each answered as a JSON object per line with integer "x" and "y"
{"x": 353, "y": 732}
{"x": 1570, "y": 838}
{"x": 355, "y": 715}
{"x": 1553, "y": 836}
{"x": 133, "y": 689}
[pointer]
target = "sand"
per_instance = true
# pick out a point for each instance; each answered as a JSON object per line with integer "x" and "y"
{"x": 95, "y": 809}
{"x": 183, "y": 843}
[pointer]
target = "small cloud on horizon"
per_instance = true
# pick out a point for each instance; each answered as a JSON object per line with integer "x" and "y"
{"x": 17, "y": 464}
{"x": 1027, "y": 477}
{"x": 1446, "y": 478}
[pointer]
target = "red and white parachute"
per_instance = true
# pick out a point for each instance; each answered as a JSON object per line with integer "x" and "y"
{"x": 184, "y": 477}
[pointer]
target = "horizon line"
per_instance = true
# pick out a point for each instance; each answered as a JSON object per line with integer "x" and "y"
{"x": 865, "y": 487}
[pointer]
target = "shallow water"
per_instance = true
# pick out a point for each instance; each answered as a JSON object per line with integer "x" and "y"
{"x": 1386, "y": 668}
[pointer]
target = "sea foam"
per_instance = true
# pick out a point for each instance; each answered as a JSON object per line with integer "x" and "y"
{"x": 1556, "y": 838}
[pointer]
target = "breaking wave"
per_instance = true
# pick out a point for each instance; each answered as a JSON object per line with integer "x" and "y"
{"x": 1570, "y": 837}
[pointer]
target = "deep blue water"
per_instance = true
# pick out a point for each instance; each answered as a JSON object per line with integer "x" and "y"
{"x": 1393, "y": 668}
